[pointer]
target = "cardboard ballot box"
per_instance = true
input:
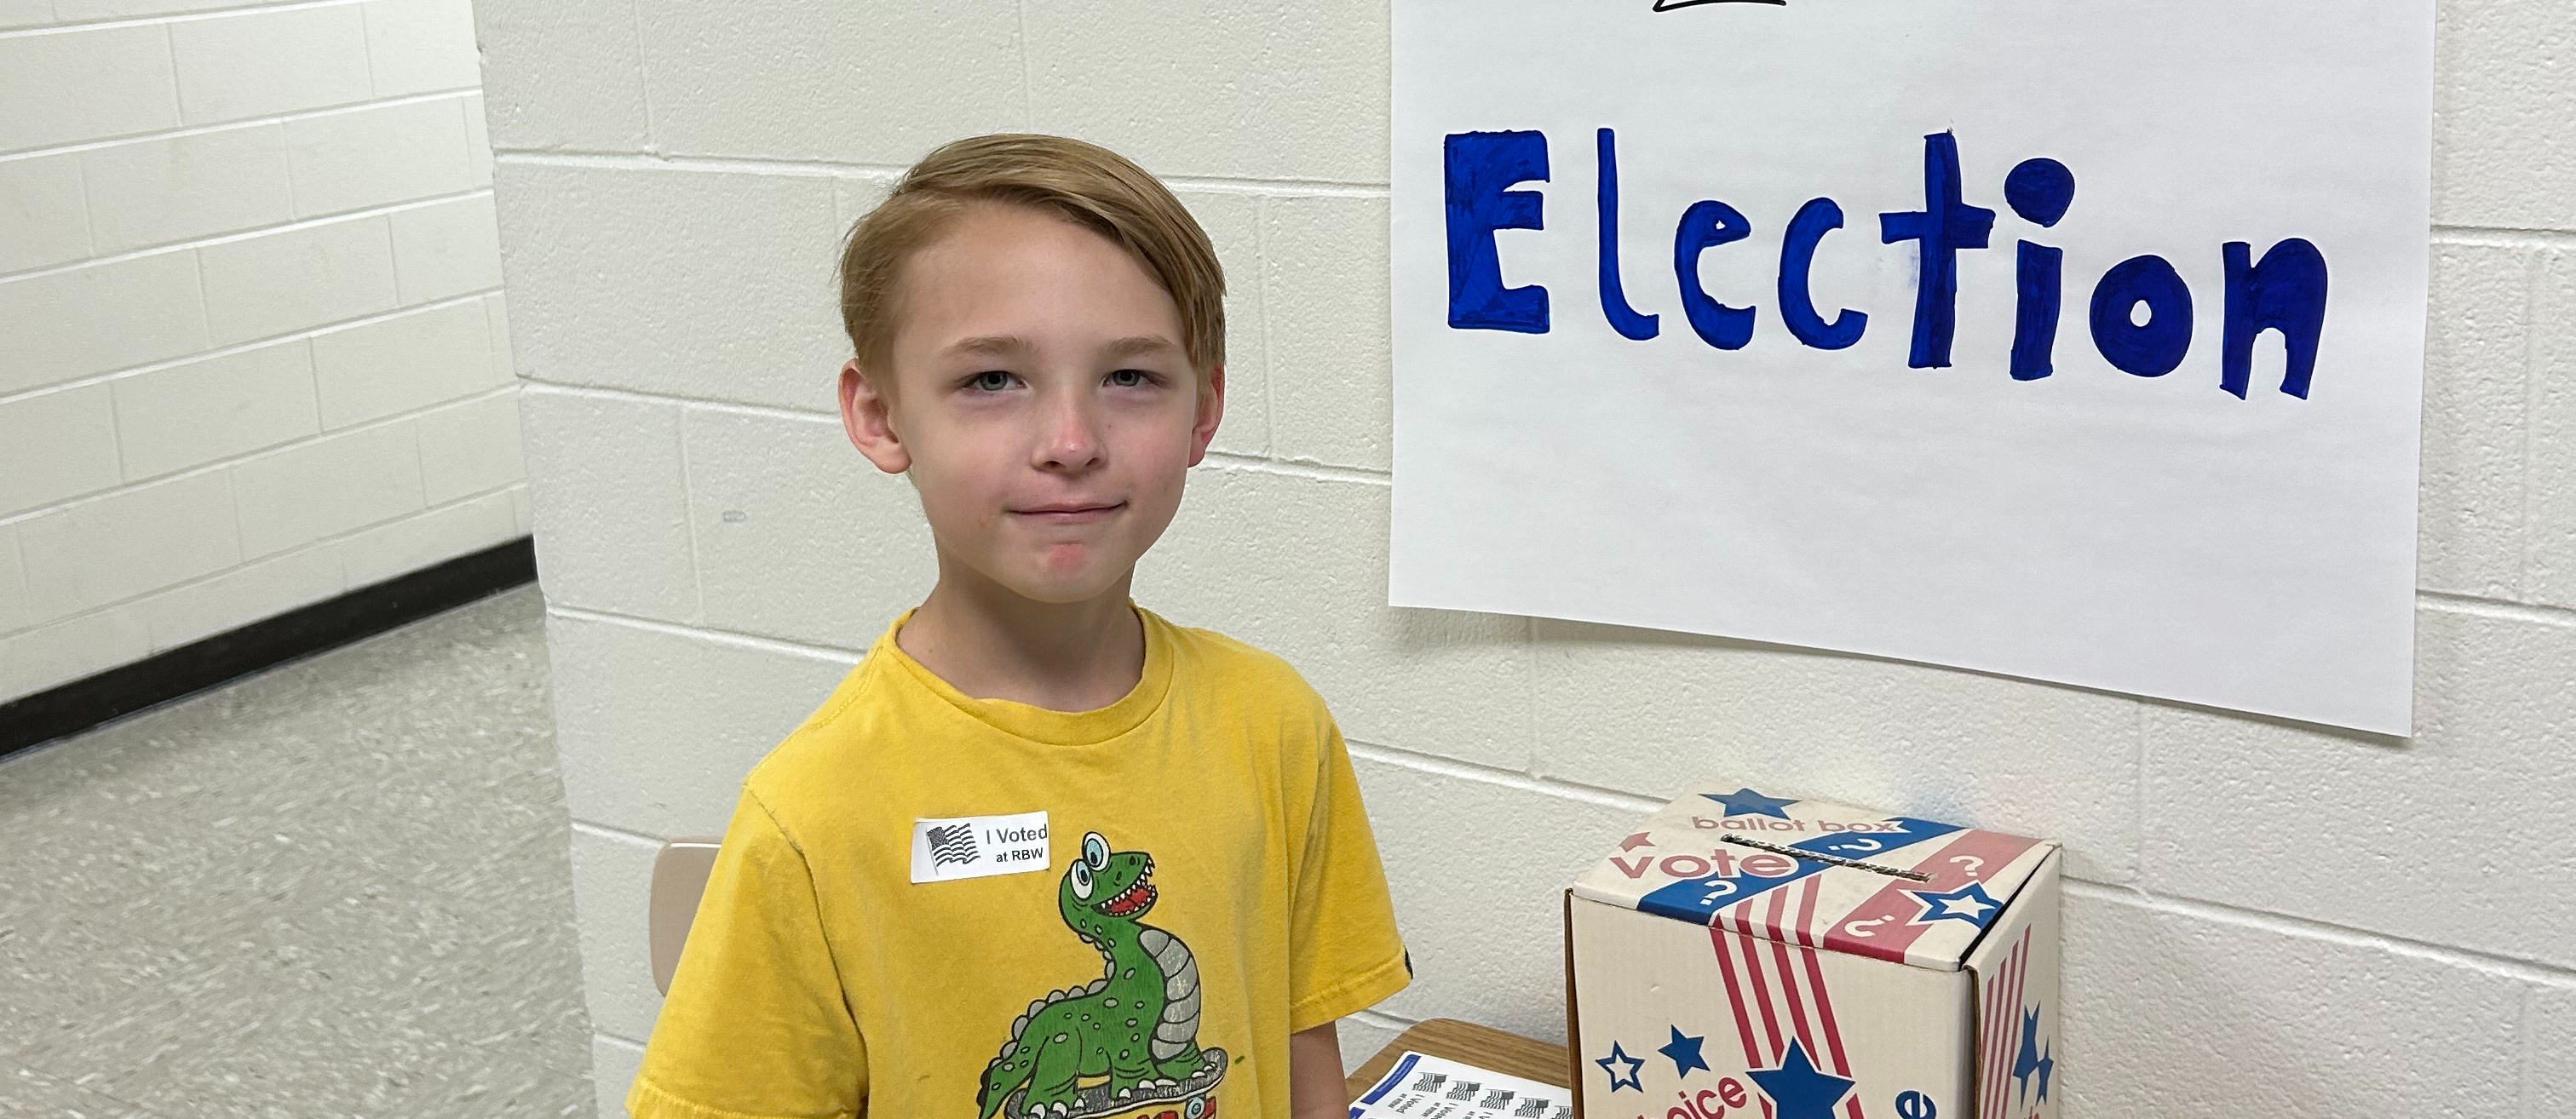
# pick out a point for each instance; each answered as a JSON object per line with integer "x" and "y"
{"x": 1755, "y": 957}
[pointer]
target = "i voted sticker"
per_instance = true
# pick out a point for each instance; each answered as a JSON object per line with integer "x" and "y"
{"x": 978, "y": 846}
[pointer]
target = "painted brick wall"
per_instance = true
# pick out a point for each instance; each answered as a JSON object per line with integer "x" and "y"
{"x": 673, "y": 177}
{"x": 252, "y": 348}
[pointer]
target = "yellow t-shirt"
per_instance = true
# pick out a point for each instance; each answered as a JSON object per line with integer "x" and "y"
{"x": 929, "y": 905}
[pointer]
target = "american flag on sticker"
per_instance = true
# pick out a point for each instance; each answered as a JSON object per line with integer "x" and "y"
{"x": 954, "y": 843}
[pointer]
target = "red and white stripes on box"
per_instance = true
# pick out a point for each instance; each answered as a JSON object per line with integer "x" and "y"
{"x": 1997, "y": 1038}
{"x": 1777, "y": 973}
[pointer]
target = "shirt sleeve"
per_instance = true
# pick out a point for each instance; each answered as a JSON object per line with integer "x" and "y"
{"x": 1344, "y": 953}
{"x": 755, "y": 1026}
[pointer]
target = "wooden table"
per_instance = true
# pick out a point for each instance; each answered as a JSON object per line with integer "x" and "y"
{"x": 1481, "y": 1046}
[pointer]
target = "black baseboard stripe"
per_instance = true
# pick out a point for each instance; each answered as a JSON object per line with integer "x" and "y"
{"x": 304, "y": 631}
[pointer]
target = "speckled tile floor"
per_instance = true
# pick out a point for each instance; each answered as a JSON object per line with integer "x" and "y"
{"x": 337, "y": 888}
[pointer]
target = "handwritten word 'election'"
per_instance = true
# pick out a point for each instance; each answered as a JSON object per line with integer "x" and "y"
{"x": 2284, "y": 291}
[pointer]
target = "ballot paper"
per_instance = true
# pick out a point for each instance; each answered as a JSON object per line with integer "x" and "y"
{"x": 1427, "y": 1087}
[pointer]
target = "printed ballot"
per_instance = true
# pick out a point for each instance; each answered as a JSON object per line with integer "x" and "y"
{"x": 1421, "y": 1086}
{"x": 1746, "y": 955}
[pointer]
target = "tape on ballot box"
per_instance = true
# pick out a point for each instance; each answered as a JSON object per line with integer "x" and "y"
{"x": 1745, "y": 956}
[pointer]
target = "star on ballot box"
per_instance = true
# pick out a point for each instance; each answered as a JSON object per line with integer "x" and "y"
{"x": 1755, "y": 957}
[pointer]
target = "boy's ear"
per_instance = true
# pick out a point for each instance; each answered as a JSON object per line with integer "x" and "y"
{"x": 867, "y": 415}
{"x": 1211, "y": 410}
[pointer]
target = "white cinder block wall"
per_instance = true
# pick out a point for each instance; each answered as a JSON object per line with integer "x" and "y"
{"x": 252, "y": 351}
{"x": 2266, "y": 918}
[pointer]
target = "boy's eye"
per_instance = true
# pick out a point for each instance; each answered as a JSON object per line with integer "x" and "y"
{"x": 990, "y": 380}
{"x": 1130, "y": 378}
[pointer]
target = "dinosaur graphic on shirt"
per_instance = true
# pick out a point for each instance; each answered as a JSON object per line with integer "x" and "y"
{"x": 1125, "y": 1042}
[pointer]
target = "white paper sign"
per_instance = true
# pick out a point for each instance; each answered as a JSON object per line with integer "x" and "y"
{"x": 2073, "y": 341}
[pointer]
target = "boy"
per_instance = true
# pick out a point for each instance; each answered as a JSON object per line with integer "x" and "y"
{"x": 1041, "y": 853}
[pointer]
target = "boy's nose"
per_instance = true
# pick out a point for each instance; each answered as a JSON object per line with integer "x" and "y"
{"x": 1072, "y": 438}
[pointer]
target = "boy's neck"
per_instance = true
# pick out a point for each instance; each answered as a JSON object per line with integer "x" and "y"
{"x": 991, "y": 643}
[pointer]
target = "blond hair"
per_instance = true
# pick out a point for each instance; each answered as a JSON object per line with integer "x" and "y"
{"x": 1085, "y": 184}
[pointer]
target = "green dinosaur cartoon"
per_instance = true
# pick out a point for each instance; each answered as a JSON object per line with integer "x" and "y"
{"x": 1136, "y": 1025}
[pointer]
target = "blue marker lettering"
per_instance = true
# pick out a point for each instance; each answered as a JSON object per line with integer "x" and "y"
{"x": 1797, "y": 258}
{"x": 2039, "y": 190}
{"x": 2154, "y": 349}
{"x": 1704, "y": 226}
{"x": 2286, "y": 292}
{"x": 1614, "y": 300}
{"x": 1481, "y": 166}
{"x": 1940, "y": 229}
